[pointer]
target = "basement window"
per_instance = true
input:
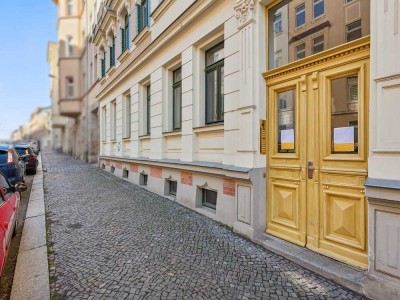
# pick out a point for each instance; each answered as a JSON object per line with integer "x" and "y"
{"x": 173, "y": 187}
{"x": 112, "y": 169}
{"x": 125, "y": 173}
{"x": 209, "y": 198}
{"x": 103, "y": 166}
{"x": 143, "y": 179}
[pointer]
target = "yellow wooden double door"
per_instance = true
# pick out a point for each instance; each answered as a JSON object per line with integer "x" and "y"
{"x": 317, "y": 153}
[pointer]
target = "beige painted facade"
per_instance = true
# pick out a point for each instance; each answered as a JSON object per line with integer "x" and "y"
{"x": 77, "y": 120}
{"x": 383, "y": 184}
{"x": 221, "y": 157}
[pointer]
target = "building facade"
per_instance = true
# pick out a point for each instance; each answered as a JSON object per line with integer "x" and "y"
{"x": 383, "y": 184}
{"x": 270, "y": 116}
{"x": 180, "y": 98}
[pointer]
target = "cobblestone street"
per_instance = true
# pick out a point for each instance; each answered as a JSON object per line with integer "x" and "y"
{"x": 111, "y": 239}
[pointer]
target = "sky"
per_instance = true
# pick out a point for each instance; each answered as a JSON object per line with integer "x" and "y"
{"x": 27, "y": 27}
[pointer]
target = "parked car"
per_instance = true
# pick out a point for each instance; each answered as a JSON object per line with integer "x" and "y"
{"x": 26, "y": 152}
{"x": 9, "y": 203}
{"x": 11, "y": 164}
{"x": 34, "y": 146}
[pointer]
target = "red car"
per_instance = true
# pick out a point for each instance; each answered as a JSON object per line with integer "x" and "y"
{"x": 9, "y": 204}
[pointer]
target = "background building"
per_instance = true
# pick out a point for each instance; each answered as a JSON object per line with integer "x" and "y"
{"x": 38, "y": 128}
{"x": 79, "y": 136}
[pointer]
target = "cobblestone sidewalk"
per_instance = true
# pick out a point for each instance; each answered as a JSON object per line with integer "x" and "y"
{"x": 114, "y": 240}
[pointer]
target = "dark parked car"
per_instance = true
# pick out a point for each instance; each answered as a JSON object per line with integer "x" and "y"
{"x": 26, "y": 152}
{"x": 11, "y": 164}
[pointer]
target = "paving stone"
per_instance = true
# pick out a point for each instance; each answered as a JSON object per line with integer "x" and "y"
{"x": 114, "y": 240}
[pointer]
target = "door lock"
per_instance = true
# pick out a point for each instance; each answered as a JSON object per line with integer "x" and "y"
{"x": 310, "y": 169}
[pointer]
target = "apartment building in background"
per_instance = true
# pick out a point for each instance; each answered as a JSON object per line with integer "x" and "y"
{"x": 62, "y": 127}
{"x": 79, "y": 136}
{"x": 37, "y": 128}
{"x": 272, "y": 117}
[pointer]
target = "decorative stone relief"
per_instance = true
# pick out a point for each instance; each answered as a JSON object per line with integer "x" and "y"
{"x": 244, "y": 11}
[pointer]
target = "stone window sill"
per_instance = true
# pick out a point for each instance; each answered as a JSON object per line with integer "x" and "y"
{"x": 123, "y": 55}
{"x": 209, "y": 128}
{"x": 141, "y": 36}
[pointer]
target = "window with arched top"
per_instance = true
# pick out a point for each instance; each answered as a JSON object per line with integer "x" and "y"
{"x": 142, "y": 15}
{"x": 125, "y": 36}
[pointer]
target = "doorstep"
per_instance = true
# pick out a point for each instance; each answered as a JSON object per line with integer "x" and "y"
{"x": 336, "y": 271}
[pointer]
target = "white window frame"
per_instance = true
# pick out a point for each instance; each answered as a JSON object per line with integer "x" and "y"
{"x": 276, "y": 22}
{"x": 315, "y": 2}
{"x": 70, "y": 87}
{"x": 319, "y": 43}
{"x": 354, "y": 29}
{"x": 70, "y": 7}
{"x": 299, "y": 12}
{"x": 69, "y": 48}
{"x": 297, "y": 52}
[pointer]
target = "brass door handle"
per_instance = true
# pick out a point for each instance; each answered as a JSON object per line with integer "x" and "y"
{"x": 310, "y": 169}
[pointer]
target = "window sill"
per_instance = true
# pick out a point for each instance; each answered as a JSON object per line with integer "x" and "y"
{"x": 141, "y": 35}
{"x": 102, "y": 80}
{"x": 111, "y": 71}
{"x": 172, "y": 133}
{"x": 126, "y": 138}
{"x": 144, "y": 137}
{"x": 317, "y": 18}
{"x": 123, "y": 55}
{"x": 300, "y": 27}
{"x": 208, "y": 212}
{"x": 211, "y": 127}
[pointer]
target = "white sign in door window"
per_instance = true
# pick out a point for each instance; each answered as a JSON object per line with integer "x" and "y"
{"x": 343, "y": 139}
{"x": 287, "y": 139}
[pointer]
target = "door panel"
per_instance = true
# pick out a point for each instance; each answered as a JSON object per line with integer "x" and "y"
{"x": 343, "y": 162}
{"x": 286, "y": 211}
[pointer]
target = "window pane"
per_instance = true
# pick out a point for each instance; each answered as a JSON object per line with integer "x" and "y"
{"x": 210, "y": 198}
{"x": 353, "y": 31}
{"x": 215, "y": 54}
{"x": 301, "y": 51}
{"x": 286, "y": 121}
{"x": 319, "y": 8}
{"x": 211, "y": 96}
{"x": 177, "y": 75}
{"x": 300, "y": 15}
{"x": 278, "y": 24}
{"x": 177, "y": 106}
{"x": 318, "y": 44}
{"x": 289, "y": 17}
{"x": 344, "y": 118}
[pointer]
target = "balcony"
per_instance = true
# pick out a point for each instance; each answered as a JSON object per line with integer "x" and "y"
{"x": 70, "y": 107}
{"x": 58, "y": 121}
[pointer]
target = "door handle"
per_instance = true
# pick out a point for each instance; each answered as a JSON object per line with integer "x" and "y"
{"x": 310, "y": 169}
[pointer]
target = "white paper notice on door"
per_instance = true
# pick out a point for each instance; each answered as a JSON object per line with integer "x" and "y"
{"x": 343, "y": 139}
{"x": 287, "y": 139}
